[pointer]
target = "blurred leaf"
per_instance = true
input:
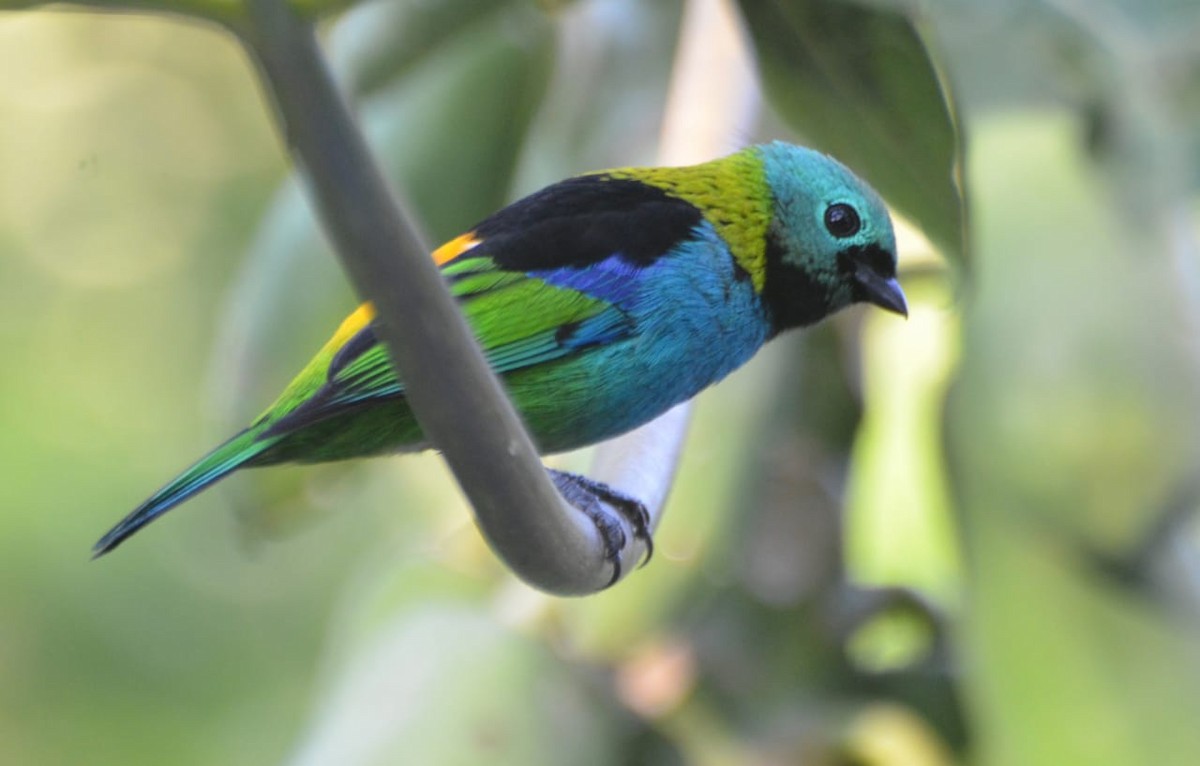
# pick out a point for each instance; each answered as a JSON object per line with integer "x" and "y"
{"x": 452, "y": 133}
{"x": 889, "y": 735}
{"x": 900, "y": 525}
{"x": 858, "y": 83}
{"x": 1071, "y": 424}
{"x": 605, "y": 105}
{"x": 1141, "y": 71}
{"x": 378, "y": 41}
{"x": 317, "y": 7}
{"x": 388, "y": 589}
{"x": 446, "y": 684}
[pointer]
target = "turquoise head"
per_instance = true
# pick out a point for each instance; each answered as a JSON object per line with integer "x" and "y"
{"x": 830, "y": 243}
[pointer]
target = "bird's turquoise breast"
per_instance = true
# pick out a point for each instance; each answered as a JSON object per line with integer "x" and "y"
{"x": 697, "y": 317}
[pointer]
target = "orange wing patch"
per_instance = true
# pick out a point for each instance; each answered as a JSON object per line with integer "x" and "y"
{"x": 454, "y": 248}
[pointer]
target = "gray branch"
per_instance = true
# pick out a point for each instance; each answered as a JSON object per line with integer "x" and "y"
{"x": 454, "y": 394}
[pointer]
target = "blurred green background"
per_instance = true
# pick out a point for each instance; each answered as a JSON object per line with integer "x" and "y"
{"x": 967, "y": 538}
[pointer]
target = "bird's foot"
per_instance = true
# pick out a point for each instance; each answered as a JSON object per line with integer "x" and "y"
{"x": 591, "y": 497}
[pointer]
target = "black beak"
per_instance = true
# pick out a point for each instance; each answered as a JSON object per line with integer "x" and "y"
{"x": 882, "y": 291}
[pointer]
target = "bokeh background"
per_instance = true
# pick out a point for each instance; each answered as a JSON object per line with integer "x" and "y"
{"x": 966, "y": 538}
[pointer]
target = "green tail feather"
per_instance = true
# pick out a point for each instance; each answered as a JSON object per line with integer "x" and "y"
{"x": 213, "y": 467}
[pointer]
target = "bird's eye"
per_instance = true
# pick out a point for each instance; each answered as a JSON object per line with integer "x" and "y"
{"x": 842, "y": 220}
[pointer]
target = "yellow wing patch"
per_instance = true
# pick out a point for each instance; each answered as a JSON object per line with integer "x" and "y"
{"x": 350, "y": 326}
{"x": 363, "y": 315}
{"x": 314, "y": 373}
{"x": 454, "y": 248}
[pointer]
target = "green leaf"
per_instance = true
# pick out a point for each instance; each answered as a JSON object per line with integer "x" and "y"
{"x": 377, "y": 42}
{"x": 1071, "y": 428}
{"x": 606, "y": 103}
{"x": 447, "y": 684}
{"x": 858, "y": 83}
{"x": 453, "y": 131}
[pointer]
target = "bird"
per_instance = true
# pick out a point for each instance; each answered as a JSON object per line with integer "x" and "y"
{"x": 601, "y": 301}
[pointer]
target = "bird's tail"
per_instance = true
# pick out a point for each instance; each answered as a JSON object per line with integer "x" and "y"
{"x": 211, "y": 468}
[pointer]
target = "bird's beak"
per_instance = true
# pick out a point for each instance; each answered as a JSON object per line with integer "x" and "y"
{"x": 882, "y": 291}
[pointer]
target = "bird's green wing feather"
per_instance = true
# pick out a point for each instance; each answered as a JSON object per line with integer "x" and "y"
{"x": 519, "y": 320}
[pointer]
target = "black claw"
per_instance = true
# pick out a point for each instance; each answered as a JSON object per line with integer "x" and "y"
{"x": 586, "y": 495}
{"x": 616, "y": 564}
{"x": 612, "y": 534}
{"x": 634, "y": 512}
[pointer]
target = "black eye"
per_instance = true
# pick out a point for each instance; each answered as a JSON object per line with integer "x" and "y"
{"x": 842, "y": 220}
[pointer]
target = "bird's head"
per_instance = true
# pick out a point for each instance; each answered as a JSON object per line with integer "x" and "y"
{"x": 830, "y": 243}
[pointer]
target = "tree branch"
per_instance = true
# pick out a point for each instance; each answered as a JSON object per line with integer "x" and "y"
{"x": 454, "y": 394}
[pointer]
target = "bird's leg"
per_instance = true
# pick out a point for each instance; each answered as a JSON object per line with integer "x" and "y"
{"x": 591, "y": 496}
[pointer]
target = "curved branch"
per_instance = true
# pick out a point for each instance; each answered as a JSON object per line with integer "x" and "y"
{"x": 454, "y": 394}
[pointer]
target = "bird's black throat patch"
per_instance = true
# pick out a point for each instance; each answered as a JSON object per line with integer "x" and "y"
{"x": 793, "y": 296}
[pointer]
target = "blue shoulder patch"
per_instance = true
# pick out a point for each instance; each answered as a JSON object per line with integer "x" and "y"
{"x": 613, "y": 279}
